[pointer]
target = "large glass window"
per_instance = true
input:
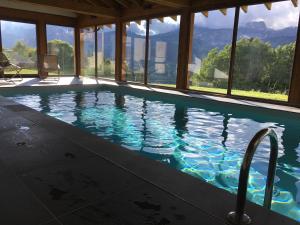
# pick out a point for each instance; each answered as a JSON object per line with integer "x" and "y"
{"x": 88, "y": 52}
{"x": 163, "y": 51}
{"x": 106, "y": 51}
{"x": 60, "y": 42}
{"x": 265, "y": 51}
{"x": 135, "y": 51}
{"x": 19, "y": 45}
{"x": 212, "y": 40}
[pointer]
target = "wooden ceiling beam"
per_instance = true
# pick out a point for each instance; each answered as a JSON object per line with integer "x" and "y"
{"x": 219, "y": 4}
{"x": 172, "y": 3}
{"x": 123, "y": 3}
{"x": 295, "y": 2}
{"x": 76, "y": 7}
{"x": 110, "y": 4}
{"x": 137, "y": 3}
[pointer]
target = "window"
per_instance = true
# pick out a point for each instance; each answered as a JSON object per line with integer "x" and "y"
{"x": 212, "y": 40}
{"x": 163, "y": 51}
{"x": 19, "y": 45}
{"x": 265, "y": 51}
{"x": 135, "y": 51}
{"x": 60, "y": 42}
{"x": 106, "y": 51}
{"x": 88, "y": 51}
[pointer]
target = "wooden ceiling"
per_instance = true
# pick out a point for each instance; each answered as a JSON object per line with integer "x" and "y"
{"x": 108, "y": 8}
{"x": 112, "y": 9}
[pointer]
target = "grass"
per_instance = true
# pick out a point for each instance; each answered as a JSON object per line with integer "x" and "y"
{"x": 25, "y": 72}
{"x": 252, "y": 93}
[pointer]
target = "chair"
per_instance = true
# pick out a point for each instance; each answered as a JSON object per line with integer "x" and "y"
{"x": 6, "y": 65}
{"x": 50, "y": 64}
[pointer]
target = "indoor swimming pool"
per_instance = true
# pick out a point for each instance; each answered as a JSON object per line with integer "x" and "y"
{"x": 206, "y": 139}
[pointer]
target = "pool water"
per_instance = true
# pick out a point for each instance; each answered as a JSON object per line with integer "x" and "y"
{"x": 203, "y": 138}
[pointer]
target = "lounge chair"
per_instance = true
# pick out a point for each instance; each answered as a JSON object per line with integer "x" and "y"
{"x": 50, "y": 65}
{"x": 7, "y": 66}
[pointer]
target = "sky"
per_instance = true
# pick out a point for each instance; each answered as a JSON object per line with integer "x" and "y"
{"x": 282, "y": 15}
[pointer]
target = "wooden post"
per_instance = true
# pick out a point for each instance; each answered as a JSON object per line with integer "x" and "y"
{"x": 146, "y": 52}
{"x": 120, "y": 51}
{"x": 41, "y": 46}
{"x": 1, "y": 72}
{"x": 185, "y": 48}
{"x": 294, "y": 93}
{"x": 233, "y": 48}
{"x": 77, "y": 52}
{"x": 96, "y": 51}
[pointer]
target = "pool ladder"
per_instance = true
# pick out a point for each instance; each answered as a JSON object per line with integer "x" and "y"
{"x": 239, "y": 217}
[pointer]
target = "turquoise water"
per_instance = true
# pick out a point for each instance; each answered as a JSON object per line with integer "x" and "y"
{"x": 203, "y": 138}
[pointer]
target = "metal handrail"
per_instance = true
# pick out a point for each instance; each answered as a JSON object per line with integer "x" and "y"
{"x": 238, "y": 217}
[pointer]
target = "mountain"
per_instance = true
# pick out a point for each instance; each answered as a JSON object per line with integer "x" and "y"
{"x": 204, "y": 38}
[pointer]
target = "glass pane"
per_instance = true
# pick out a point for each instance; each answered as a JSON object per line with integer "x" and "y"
{"x": 106, "y": 51}
{"x": 135, "y": 51}
{"x": 163, "y": 51}
{"x": 265, "y": 51}
{"x": 60, "y": 42}
{"x": 87, "y": 46}
{"x": 211, "y": 51}
{"x": 19, "y": 45}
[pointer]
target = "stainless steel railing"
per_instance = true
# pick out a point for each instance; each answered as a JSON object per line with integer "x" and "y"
{"x": 239, "y": 217}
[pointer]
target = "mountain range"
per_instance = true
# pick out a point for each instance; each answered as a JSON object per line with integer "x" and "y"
{"x": 204, "y": 38}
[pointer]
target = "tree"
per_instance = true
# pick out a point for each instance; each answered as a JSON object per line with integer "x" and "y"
{"x": 64, "y": 52}
{"x": 258, "y": 66}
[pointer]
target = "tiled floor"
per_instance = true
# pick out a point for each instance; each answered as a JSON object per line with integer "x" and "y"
{"x": 54, "y": 174}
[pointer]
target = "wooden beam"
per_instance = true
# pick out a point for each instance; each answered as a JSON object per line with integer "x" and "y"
{"x": 161, "y": 19}
{"x": 233, "y": 50}
{"x": 185, "y": 49}
{"x": 220, "y": 4}
{"x": 26, "y": 16}
{"x": 93, "y": 2}
{"x": 244, "y": 8}
{"x": 205, "y": 13}
{"x": 77, "y": 52}
{"x": 123, "y": 3}
{"x": 294, "y": 93}
{"x": 120, "y": 55}
{"x": 138, "y": 3}
{"x": 143, "y": 13}
{"x": 77, "y": 7}
{"x": 174, "y": 18}
{"x": 223, "y": 11}
{"x": 268, "y": 5}
{"x": 41, "y": 47}
{"x": 139, "y": 22}
{"x": 172, "y": 3}
{"x": 87, "y": 21}
{"x": 146, "y": 52}
{"x": 1, "y": 72}
{"x": 295, "y": 2}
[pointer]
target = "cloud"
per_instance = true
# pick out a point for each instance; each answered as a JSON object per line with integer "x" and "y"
{"x": 282, "y": 15}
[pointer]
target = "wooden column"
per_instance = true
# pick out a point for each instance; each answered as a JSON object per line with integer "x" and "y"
{"x": 294, "y": 94}
{"x": 185, "y": 48}
{"x": 233, "y": 48}
{"x": 41, "y": 46}
{"x": 96, "y": 52}
{"x": 146, "y": 52}
{"x": 77, "y": 52}
{"x": 120, "y": 70}
{"x": 1, "y": 72}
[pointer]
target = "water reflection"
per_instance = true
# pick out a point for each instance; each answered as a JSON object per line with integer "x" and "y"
{"x": 207, "y": 141}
